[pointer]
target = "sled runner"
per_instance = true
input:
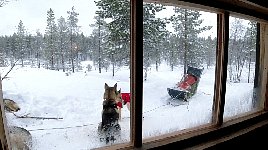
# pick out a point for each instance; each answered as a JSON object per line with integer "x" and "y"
{"x": 187, "y": 87}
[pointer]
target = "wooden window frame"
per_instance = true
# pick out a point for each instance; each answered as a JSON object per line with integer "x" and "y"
{"x": 203, "y": 136}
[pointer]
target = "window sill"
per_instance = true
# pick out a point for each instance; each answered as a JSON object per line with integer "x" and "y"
{"x": 208, "y": 136}
{"x": 212, "y": 135}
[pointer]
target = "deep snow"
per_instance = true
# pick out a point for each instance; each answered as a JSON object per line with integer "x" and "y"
{"x": 77, "y": 98}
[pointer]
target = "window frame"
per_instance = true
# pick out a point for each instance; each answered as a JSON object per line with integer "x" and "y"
{"x": 218, "y": 126}
{"x": 197, "y": 137}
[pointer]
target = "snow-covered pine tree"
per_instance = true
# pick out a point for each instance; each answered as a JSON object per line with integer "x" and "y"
{"x": 119, "y": 37}
{"x": 38, "y": 47}
{"x": 73, "y": 31}
{"x": 2, "y": 51}
{"x": 153, "y": 34}
{"x": 119, "y": 29}
{"x": 209, "y": 48}
{"x": 13, "y": 49}
{"x": 83, "y": 42}
{"x": 237, "y": 52}
{"x": 51, "y": 39}
{"x": 8, "y": 48}
{"x": 29, "y": 54}
{"x": 187, "y": 26}
{"x": 63, "y": 43}
{"x": 250, "y": 40}
{"x": 21, "y": 42}
{"x": 99, "y": 40}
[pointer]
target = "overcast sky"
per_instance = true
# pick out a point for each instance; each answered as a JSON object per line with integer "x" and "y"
{"x": 33, "y": 14}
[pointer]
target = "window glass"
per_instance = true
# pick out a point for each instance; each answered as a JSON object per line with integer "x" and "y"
{"x": 241, "y": 67}
{"x": 56, "y": 57}
{"x": 179, "y": 68}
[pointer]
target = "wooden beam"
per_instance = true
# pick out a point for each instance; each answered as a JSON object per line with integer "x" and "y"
{"x": 136, "y": 72}
{"x": 243, "y": 7}
{"x": 221, "y": 67}
{"x": 263, "y": 66}
{"x": 5, "y": 144}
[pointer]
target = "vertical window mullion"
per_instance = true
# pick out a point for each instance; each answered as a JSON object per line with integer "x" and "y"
{"x": 263, "y": 78}
{"x": 221, "y": 67}
{"x": 257, "y": 69}
{"x": 5, "y": 145}
{"x": 136, "y": 72}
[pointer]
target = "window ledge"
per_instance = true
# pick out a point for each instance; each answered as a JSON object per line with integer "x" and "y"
{"x": 210, "y": 136}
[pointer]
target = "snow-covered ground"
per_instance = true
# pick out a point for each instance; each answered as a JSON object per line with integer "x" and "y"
{"x": 77, "y": 99}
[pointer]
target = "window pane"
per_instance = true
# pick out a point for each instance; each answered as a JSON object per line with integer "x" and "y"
{"x": 63, "y": 53}
{"x": 179, "y": 68}
{"x": 241, "y": 68}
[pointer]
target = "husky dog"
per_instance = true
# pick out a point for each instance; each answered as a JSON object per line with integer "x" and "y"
{"x": 110, "y": 92}
{"x": 109, "y": 127}
{"x": 10, "y": 105}
{"x": 20, "y": 138}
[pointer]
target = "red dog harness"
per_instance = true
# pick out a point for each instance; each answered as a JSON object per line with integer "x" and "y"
{"x": 119, "y": 104}
{"x": 125, "y": 99}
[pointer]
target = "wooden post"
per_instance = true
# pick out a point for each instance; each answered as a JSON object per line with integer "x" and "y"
{"x": 136, "y": 71}
{"x": 5, "y": 144}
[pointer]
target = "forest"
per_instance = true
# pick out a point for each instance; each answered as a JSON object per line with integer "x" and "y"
{"x": 63, "y": 46}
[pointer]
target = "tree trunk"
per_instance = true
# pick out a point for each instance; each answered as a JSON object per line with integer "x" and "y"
{"x": 99, "y": 59}
{"x": 249, "y": 67}
{"x": 185, "y": 44}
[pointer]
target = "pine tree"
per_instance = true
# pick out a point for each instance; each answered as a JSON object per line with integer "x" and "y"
{"x": 186, "y": 24}
{"x": 154, "y": 32}
{"x": 2, "y": 52}
{"x": 13, "y": 49}
{"x": 29, "y": 48}
{"x": 73, "y": 31}
{"x": 99, "y": 37}
{"x": 38, "y": 47}
{"x": 63, "y": 42}
{"x": 209, "y": 48}
{"x": 51, "y": 39}
{"x": 84, "y": 47}
{"x": 21, "y": 42}
{"x": 250, "y": 37}
{"x": 119, "y": 30}
{"x": 239, "y": 50}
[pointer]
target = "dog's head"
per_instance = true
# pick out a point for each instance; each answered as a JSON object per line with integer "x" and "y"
{"x": 11, "y": 106}
{"x": 110, "y": 92}
{"x": 118, "y": 96}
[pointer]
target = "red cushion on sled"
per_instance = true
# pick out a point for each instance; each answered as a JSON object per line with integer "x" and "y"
{"x": 125, "y": 97}
{"x": 188, "y": 81}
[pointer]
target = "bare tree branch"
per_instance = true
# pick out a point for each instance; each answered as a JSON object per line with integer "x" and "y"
{"x": 3, "y": 2}
{"x": 5, "y": 76}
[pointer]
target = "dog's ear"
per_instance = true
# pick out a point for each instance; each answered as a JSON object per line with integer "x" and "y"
{"x": 106, "y": 86}
{"x": 119, "y": 91}
{"x": 115, "y": 86}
